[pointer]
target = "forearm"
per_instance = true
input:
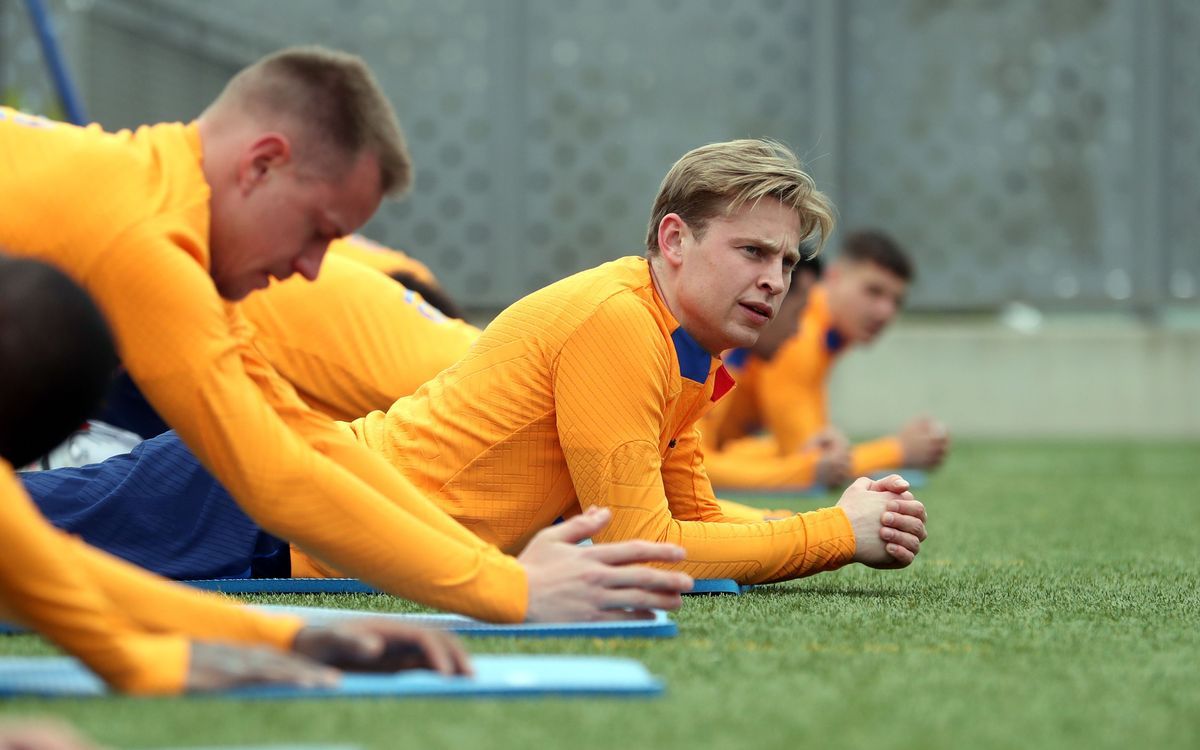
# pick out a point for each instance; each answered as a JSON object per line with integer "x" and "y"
{"x": 875, "y": 456}
{"x": 744, "y": 465}
{"x": 749, "y": 553}
{"x": 162, "y": 606}
{"x": 43, "y": 586}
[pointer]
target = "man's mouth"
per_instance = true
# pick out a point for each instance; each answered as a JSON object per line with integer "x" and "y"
{"x": 759, "y": 311}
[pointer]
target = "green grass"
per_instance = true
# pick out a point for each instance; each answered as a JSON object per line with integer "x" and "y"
{"x": 1056, "y": 604}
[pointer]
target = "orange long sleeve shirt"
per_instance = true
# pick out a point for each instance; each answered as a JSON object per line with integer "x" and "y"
{"x": 353, "y": 341}
{"x": 739, "y": 459}
{"x": 587, "y": 393}
{"x": 381, "y": 258}
{"x": 126, "y": 215}
{"x": 788, "y": 397}
{"x": 131, "y": 628}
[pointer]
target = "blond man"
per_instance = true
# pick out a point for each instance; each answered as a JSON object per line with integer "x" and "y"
{"x": 167, "y": 225}
{"x": 584, "y": 396}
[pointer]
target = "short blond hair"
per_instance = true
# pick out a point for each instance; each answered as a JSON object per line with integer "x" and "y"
{"x": 336, "y": 101}
{"x": 717, "y": 179}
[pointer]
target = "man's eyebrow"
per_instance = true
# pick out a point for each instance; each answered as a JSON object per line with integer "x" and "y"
{"x": 776, "y": 247}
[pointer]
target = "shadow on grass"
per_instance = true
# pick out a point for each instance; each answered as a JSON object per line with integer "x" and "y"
{"x": 851, "y": 593}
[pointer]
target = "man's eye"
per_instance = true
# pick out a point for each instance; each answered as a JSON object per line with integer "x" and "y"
{"x": 752, "y": 250}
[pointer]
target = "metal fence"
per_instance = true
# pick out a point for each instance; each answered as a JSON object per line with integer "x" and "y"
{"x": 1025, "y": 150}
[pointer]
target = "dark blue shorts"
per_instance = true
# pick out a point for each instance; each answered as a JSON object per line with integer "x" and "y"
{"x": 158, "y": 508}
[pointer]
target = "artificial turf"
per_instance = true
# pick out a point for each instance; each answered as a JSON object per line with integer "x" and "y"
{"x": 1056, "y": 604}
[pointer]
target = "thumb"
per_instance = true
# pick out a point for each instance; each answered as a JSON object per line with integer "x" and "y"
{"x": 891, "y": 483}
{"x": 582, "y": 526}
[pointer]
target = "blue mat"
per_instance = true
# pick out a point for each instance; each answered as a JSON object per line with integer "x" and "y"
{"x": 496, "y": 676}
{"x": 660, "y": 626}
{"x": 719, "y": 586}
{"x": 355, "y": 586}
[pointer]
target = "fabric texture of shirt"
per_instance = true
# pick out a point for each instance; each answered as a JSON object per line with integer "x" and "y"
{"x": 586, "y": 393}
{"x": 126, "y": 215}
{"x": 132, "y": 628}
{"x": 353, "y": 341}
{"x": 382, "y": 258}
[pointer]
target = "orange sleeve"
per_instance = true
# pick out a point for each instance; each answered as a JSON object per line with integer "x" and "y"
{"x": 293, "y": 470}
{"x": 610, "y": 384}
{"x": 754, "y": 463}
{"x": 43, "y": 587}
{"x": 877, "y": 455}
{"x": 792, "y": 391}
{"x": 353, "y": 341}
{"x": 739, "y": 513}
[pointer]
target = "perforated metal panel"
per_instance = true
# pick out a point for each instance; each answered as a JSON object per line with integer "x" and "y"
{"x": 24, "y": 80}
{"x": 1002, "y": 142}
{"x": 996, "y": 141}
{"x": 617, "y": 91}
{"x": 1182, "y": 123}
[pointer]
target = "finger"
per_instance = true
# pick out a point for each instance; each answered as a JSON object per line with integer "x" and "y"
{"x": 458, "y": 655}
{"x": 576, "y": 529}
{"x": 435, "y": 651}
{"x": 900, "y": 554}
{"x": 906, "y": 540}
{"x": 641, "y": 577}
{"x": 907, "y": 524}
{"x": 639, "y": 599}
{"x": 862, "y": 483}
{"x": 914, "y": 508}
{"x": 634, "y": 551}
{"x": 891, "y": 483}
{"x": 621, "y": 615}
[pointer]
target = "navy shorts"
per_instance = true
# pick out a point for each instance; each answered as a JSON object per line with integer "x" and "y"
{"x": 158, "y": 508}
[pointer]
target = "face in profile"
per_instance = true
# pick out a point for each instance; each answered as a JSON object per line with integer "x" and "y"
{"x": 282, "y": 217}
{"x": 864, "y": 298}
{"x": 787, "y": 319}
{"x": 732, "y": 277}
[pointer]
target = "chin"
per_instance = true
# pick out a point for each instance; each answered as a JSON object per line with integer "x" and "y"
{"x": 233, "y": 292}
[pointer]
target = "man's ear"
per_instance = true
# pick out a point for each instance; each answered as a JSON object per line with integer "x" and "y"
{"x": 673, "y": 231}
{"x": 268, "y": 152}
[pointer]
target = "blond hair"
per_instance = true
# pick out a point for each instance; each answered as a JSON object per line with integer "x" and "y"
{"x": 717, "y": 179}
{"x": 335, "y": 100}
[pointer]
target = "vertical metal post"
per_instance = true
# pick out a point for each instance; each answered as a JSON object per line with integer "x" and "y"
{"x": 63, "y": 84}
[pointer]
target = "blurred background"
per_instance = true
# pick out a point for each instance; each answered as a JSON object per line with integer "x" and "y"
{"x": 1040, "y": 161}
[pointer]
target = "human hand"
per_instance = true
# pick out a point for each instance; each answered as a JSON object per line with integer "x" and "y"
{"x": 378, "y": 645}
{"x": 219, "y": 666}
{"x": 925, "y": 442}
{"x": 41, "y": 734}
{"x": 568, "y": 582}
{"x": 833, "y": 467}
{"x": 830, "y": 438}
{"x": 888, "y": 523}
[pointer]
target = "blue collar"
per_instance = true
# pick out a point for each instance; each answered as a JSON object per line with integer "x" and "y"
{"x": 694, "y": 361}
{"x": 736, "y": 358}
{"x": 834, "y": 341}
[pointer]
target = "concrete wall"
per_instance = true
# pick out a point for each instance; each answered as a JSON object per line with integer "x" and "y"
{"x": 1094, "y": 377}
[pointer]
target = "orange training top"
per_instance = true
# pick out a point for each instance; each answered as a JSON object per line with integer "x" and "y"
{"x": 790, "y": 391}
{"x": 132, "y": 628}
{"x": 127, "y": 215}
{"x": 353, "y": 341}
{"x": 587, "y": 393}
{"x": 384, "y": 259}
{"x": 736, "y": 457}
